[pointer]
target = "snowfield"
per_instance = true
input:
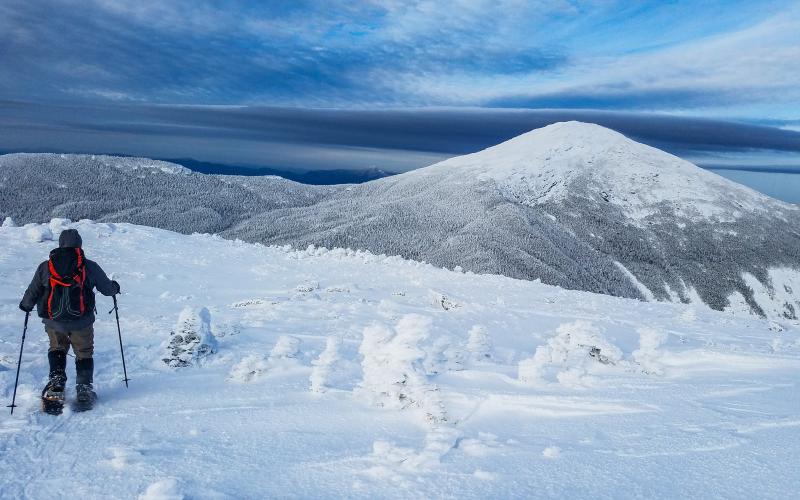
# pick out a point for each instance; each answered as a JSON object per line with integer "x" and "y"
{"x": 263, "y": 372}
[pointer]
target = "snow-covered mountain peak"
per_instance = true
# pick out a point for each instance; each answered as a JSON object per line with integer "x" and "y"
{"x": 554, "y": 144}
{"x": 569, "y": 159}
{"x": 563, "y": 136}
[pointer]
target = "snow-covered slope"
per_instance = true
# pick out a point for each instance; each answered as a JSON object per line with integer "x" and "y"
{"x": 263, "y": 372}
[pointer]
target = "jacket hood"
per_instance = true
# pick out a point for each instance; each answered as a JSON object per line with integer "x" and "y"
{"x": 70, "y": 238}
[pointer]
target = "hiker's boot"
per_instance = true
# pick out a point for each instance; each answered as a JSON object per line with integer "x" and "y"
{"x": 85, "y": 393}
{"x": 54, "y": 390}
{"x": 84, "y": 370}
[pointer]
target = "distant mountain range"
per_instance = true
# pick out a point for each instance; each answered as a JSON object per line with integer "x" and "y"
{"x": 572, "y": 204}
{"x": 318, "y": 177}
{"x": 38, "y": 186}
{"x": 325, "y": 177}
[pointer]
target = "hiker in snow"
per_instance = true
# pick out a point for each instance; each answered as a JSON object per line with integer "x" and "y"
{"x": 62, "y": 291}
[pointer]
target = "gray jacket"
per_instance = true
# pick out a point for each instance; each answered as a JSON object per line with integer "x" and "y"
{"x": 39, "y": 287}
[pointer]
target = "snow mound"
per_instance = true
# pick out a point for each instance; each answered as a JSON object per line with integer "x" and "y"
{"x": 164, "y": 489}
{"x": 392, "y": 461}
{"x": 38, "y": 233}
{"x": 551, "y": 452}
{"x": 249, "y": 368}
{"x": 58, "y": 224}
{"x": 287, "y": 347}
{"x": 123, "y": 458}
{"x": 282, "y": 357}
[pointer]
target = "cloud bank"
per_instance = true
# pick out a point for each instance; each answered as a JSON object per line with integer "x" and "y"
{"x": 395, "y": 139}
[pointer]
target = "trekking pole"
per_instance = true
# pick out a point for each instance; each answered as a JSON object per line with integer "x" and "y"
{"x": 19, "y": 363}
{"x": 122, "y": 352}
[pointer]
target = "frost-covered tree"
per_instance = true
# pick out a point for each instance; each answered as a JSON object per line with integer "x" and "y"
{"x": 479, "y": 344}
{"x": 323, "y": 365}
{"x": 191, "y": 340}
{"x": 648, "y": 354}
{"x": 443, "y": 355}
{"x": 394, "y": 375}
{"x": 570, "y": 355}
{"x": 287, "y": 347}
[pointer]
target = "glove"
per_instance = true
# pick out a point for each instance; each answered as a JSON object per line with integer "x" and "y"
{"x": 116, "y": 286}
{"x": 25, "y": 308}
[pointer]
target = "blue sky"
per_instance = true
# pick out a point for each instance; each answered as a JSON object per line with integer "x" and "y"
{"x": 115, "y": 61}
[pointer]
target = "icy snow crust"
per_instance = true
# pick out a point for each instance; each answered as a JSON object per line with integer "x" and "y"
{"x": 346, "y": 374}
{"x": 572, "y": 204}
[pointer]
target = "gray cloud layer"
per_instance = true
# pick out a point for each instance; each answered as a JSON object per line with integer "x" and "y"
{"x": 322, "y": 138}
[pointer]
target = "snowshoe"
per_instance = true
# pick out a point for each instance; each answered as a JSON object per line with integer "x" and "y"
{"x": 53, "y": 394}
{"x": 85, "y": 397}
{"x": 53, "y": 407}
{"x": 54, "y": 390}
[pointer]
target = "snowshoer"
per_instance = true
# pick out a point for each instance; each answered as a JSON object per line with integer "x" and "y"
{"x": 62, "y": 290}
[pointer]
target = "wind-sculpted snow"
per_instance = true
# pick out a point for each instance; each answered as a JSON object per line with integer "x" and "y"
{"x": 572, "y": 204}
{"x": 346, "y": 374}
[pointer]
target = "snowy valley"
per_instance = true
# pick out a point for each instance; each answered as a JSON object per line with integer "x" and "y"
{"x": 270, "y": 372}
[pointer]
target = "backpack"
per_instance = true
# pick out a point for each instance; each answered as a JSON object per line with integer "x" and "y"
{"x": 68, "y": 300}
